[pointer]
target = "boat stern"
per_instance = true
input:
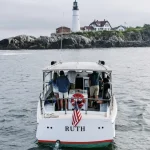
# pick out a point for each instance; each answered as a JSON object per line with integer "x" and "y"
{"x": 92, "y": 131}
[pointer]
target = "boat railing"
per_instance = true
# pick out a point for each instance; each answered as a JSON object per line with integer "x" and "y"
{"x": 43, "y": 95}
{"x": 111, "y": 102}
{"x": 46, "y": 89}
{"x": 40, "y": 97}
{"x": 53, "y": 100}
{"x": 80, "y": 99}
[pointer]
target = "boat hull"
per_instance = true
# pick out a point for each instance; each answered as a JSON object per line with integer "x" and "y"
{"x": 90, "y": 132}
{"x": 94, "y": 144}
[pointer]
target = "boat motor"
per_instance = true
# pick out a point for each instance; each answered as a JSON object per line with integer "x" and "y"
{"x": 57, "y": 145}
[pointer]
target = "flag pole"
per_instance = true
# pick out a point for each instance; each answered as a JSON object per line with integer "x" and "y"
{"x": 61, "y": 39}
{"x": 86, "y": 104}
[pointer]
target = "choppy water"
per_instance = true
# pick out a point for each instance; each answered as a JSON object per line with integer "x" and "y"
{"x": 21, "y": 83}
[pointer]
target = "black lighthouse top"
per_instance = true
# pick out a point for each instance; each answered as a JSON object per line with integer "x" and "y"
{"x": 75, "y": 5}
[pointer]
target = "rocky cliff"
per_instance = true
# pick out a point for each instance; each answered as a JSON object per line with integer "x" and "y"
{"x": 139, "y": 37}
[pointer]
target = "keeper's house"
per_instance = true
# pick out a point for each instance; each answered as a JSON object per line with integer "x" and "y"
{"x": 97, "y": 25}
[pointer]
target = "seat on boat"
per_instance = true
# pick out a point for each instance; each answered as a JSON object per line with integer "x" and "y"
{"x": 49, "y": 105}
{"x": 49, "y": 108}
{"x": 50, "y": 102}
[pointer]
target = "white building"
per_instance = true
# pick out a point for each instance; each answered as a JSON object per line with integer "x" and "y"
{"x": 101, "y": 25}
{"x": 75, "y": 18}
{"x": 98, "y": 26}
{"x": 120, "y": 28}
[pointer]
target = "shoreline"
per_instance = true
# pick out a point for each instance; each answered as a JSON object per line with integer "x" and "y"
{"x": 102, "y": 48}
{"x": 80, "y": 40}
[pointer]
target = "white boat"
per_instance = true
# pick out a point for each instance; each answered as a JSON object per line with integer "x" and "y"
{"x": 97, "y": 126}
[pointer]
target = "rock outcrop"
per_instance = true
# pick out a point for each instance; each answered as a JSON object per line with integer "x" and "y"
{"x": 44, "y": 42}
{"x": 103, "y": 39}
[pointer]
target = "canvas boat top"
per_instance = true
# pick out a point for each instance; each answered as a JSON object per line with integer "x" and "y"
{"x": 78, "y": 66}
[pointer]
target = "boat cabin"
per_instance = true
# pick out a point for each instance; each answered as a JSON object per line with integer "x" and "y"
{"x": 77, "y": 118}
{"x": 83, "y": 71}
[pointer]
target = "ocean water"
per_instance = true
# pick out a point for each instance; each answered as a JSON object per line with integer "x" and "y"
{"x": 21, "y": 84}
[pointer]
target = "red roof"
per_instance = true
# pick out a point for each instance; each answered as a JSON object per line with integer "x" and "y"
{"x": 63, "y": 27}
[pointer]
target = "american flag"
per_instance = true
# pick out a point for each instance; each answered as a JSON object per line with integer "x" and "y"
{"x": 76, "y": 116}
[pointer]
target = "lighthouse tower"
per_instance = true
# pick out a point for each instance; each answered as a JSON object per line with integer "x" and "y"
{"x": 75, "y": 18}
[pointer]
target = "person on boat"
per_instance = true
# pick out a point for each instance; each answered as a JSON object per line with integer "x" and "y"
{"x": 94, "y": 80}
{"x": 55, "y": 87}
{"x": 72, "y": 77}
{"x": 63, "y": 86}
{"x": 105, "y": 90}
{"x": 106, "y": 87}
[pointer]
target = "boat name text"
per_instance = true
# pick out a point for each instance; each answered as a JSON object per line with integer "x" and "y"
{"x": 77, "y": 128}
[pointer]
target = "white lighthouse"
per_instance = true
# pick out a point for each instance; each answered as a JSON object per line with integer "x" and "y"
{"x": 75, "y": 18}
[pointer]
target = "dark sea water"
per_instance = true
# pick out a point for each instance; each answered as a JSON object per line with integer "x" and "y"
{"x": 21, "y": 83}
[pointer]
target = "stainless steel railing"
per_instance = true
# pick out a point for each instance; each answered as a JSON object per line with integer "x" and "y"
{"x": 54, "y": 99}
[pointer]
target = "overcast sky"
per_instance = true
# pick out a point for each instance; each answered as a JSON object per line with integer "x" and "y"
{"x": 42, "y": 17}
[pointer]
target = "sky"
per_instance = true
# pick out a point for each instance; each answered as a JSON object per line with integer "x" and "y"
{"x": 42, "y": 17}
